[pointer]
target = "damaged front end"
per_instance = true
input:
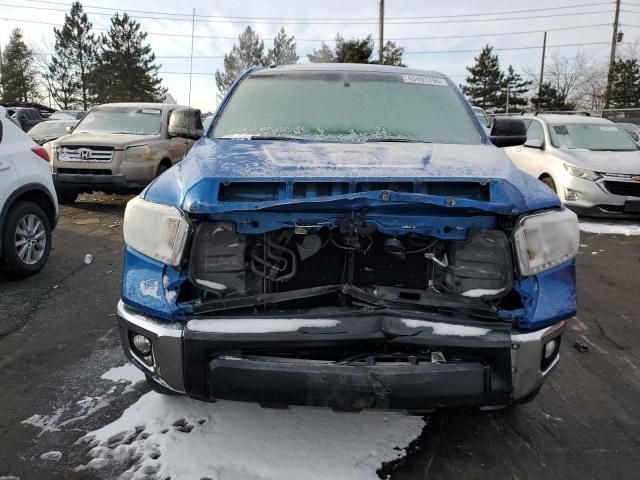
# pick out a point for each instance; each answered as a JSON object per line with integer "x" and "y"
{"x": 363, "y": 300}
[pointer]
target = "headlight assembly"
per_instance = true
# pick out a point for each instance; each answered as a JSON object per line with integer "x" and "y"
{"x": 545, "y": 240}
{"x": 158, "y": 231}
{"x": 581, "y": 172}
{"x": 140, "y": 153}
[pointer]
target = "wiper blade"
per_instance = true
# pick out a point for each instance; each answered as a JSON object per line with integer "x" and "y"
{"x": 396, "y": 140}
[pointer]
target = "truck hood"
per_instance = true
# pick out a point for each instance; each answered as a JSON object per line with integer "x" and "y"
{"x": 195, "y": 184}
{"x": 605, "y": 162}
{"x": 116, "y": 140}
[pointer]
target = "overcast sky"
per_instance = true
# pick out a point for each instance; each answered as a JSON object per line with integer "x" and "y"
{"x": 445, "y": 19}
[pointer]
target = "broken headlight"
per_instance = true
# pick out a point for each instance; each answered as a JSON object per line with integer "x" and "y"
{"x": 158, "y": 231}
{"x": 545, "y": 240}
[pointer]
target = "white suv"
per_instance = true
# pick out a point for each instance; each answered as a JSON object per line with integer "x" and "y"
{"x": 28, "y": 205}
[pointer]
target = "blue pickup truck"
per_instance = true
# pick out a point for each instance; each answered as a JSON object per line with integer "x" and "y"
{"x": 348, "y": 236}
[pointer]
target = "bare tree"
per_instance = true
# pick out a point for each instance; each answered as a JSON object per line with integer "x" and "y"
{"x": 579, "y": 80}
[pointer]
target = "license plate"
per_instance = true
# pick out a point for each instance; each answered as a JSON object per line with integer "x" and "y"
{"x": 632, "y": 206}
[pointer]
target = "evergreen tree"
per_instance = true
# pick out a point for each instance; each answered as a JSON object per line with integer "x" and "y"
{"x": 323, "y": 55}
{"x": 18, "y": 76}
{"x": 548, "y": 99}
{"x": 354, "y": 50}
{"x": 126, "y": 70}
{"x": 68, "y": 76}
{"x": 486, "y": 80}
{"x": 248, "y": 52}
{"x": 518, "y": 88}
{"x": 283, "y": 51}
{"x": 392, "y": 54}
{"x": 625, "y": 88}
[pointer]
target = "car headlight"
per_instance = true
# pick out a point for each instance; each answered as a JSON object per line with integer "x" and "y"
{"x": 545, "y": 240}
{"x": 158, "y": 231}
{"x": 581, "y": 172}
{"x": 140, "y": 153}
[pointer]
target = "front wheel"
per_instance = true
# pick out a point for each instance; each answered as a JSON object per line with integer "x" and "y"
{"x": 548, "y": 181}
{"x": 26, "y": 239}
{"x": 67, "y": 198}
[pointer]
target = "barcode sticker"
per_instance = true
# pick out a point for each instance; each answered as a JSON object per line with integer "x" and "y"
{"x": 424, "y": 80}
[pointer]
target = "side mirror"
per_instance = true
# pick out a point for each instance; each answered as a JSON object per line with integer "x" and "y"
{"x": 508, "y": 132}
{"x": 68, "y": 129}
{"x": 186, "y": 123}
{"x": 534, "y": 143}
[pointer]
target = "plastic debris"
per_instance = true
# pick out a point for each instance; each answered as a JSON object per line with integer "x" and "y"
{"x": 581, "y": 346}
{"x": 88, "y": 258}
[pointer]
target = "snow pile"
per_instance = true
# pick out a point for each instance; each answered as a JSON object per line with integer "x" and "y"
{"x": 481, "y": 292}
{"x": 446, "y": 328}
{"x": 182, "y": 438}
{"x": 618, "y": 228}
{"x": 54, "y": 456}
{"x": 266, "y": 325}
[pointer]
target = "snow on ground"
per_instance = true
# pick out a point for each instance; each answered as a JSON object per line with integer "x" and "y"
{"x": 610, "y": 228}
{"x": 177, "y": 437}
{"x": 126, "y": 373}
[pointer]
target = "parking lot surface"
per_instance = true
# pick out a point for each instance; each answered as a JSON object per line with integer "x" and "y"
{"x": 61, "y": 379}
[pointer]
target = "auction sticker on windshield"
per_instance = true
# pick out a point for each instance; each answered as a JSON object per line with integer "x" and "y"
{"x": 423, "y": 79}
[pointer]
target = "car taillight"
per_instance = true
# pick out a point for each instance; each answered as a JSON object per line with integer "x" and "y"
{"x": 41, "y": 152}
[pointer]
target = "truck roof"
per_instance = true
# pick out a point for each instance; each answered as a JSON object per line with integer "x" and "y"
{"x": 347, "y": 67}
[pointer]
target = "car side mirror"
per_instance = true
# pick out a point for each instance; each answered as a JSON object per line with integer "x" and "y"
{"x": 534, "y": 143}
{"x": 68, "y": 129}
{"x": 508, "y": 132}
{"x": 186, "y": 123}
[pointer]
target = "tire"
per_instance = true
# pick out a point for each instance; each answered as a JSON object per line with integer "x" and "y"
{"x": 161, "y": 389}
{"x": 163, "y": 167}
{"x": 26, "y": 239}
{"x": 548, "y": 181}
{"x": 67, "y": 198}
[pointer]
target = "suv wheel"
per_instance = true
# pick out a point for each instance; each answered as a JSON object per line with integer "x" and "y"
{"x": 548, "y": 181}
{"x": 26, "y": 239}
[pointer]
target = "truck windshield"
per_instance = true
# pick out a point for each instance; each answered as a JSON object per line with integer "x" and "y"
{"x": 132, "y": 120}
{"x": 590, "y": 136}
{"x": 347, "y": 106}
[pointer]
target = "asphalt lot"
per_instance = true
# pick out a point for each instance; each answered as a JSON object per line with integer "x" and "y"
{"x": 58, "y": 336}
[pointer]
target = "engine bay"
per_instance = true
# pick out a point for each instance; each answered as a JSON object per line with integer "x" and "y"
{"x": 351, "y": 264}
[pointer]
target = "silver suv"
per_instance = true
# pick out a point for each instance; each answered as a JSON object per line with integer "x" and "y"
{"x": 591, "y": 163}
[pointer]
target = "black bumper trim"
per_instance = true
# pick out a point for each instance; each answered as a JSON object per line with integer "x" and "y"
{"x": 344, "y": 387}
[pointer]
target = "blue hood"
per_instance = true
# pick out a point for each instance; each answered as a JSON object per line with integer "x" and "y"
{"x": 195, "y": 182}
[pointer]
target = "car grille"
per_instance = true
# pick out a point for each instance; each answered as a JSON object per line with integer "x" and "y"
{"x": 628, "y": 189}
{"x": 85, "y": 154}
{"x": 84, "y": 171}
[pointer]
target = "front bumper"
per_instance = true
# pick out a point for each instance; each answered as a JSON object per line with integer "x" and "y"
{"x": 86, "y": 182}
{"x": 501, "y": 365}
{"x": 594, "y": 200}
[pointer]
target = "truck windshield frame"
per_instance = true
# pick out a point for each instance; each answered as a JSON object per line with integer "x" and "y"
{"x": 346, "y": 106}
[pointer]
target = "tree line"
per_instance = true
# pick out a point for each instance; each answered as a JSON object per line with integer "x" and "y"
{"x": 249, "y": 51}
{"x": 84, "y": 69}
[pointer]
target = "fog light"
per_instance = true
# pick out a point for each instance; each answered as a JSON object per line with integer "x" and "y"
{"x": 550, "y": 349}
{"x": 571, "y": 195}
{"x": 142, "y": 344}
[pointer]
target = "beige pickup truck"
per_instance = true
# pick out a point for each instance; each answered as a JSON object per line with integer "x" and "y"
{"x": 122, "y": 147}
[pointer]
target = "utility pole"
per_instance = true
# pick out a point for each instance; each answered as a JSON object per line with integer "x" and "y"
{"x": 612, "y": 57}
{"x": 381, "y": 29}
{"x": 507, "y": 107}
{"x": 544, "y": 52}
